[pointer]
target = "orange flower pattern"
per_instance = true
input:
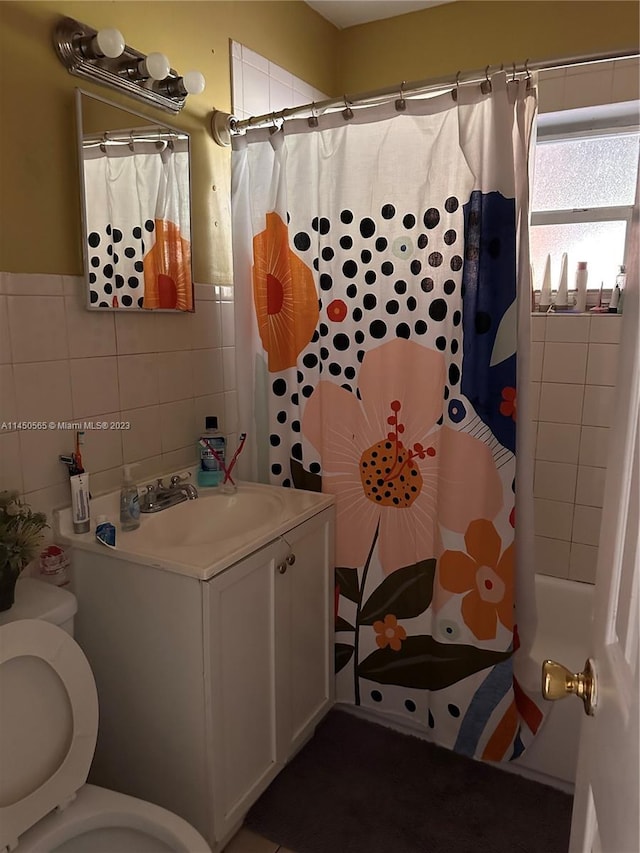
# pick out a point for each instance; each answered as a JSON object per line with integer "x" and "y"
{"x": 485, "y": 575}
{"x": 389, "y": 633}
{"x": 284, "y": 295}
{"x": 508, "y": 406}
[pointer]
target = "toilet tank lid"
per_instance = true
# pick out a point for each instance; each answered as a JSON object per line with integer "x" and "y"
{"x": 36, "y": 599}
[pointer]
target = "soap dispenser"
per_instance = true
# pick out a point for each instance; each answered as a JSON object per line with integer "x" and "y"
{"x": 129, "y": 501}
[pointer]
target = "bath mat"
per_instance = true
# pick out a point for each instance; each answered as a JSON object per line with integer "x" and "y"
{"x": 358, "y": 787}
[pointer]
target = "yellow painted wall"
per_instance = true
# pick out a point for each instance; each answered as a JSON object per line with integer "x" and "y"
{"x": 471, "y": 34}
{"x": 39, "y": 190}
{"x": 40, "y": 213}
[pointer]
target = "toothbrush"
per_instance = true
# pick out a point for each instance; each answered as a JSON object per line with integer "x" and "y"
{"x": 78, "y": 455}
{"x": 216, "y": 455}
{"x": 243, "y": 436}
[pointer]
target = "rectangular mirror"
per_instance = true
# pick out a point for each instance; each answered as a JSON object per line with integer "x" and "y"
{"x": 136, "y": 217}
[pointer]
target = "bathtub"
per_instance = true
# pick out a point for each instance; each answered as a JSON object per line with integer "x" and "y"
{"x": 564, "y": 628}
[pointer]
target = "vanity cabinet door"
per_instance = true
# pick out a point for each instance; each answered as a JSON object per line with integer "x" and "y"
{"x": 240, "y": 689}
{"x": 304, "y": 631}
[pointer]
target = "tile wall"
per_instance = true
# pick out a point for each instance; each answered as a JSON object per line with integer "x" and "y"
{"x": 160, "y": 372}
{"x": 259, "y": 86}
{"x": 574, "y": 362}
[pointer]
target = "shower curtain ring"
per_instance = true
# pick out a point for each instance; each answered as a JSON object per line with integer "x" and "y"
{"x": 274, "y": 125}
{"x": 347, "y": 112}
{"x": 131, "y": 140}
{"x": 312, "y": 121}
{"x": 485, "y": 86}
{"x": 454, "y": 92}
{"x": 513, "y": 79}
{"x": 526, "y": 68}
{"x": 401, "y": 104}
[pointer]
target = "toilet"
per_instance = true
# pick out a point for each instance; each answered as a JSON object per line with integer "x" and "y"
{"x": 48, "y": 729}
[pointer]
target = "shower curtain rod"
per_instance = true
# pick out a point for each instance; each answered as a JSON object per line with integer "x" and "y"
{"x": 223, "y": 125}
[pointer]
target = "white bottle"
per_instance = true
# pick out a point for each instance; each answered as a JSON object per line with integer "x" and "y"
{"x": 617, "y": 296}
{"x": 563, "y": 292}
{"x": 581, "y": 287}
{"x": 129, "y": 501}
{"x": 545, "y": 292}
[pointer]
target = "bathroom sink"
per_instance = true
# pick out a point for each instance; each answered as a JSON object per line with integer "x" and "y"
{"x": 199, "y": 537}
{"x": 211, "y": 519}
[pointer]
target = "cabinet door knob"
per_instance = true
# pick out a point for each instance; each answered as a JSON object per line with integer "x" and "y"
{"x": 282, "y": 568}
{"x": 291, "y": 558}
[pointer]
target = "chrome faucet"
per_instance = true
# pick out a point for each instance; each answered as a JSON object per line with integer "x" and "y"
{"x": 159, "y": 497}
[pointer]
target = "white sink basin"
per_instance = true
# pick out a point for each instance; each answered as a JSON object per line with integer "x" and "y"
{"x": 210, "y": 520}
{"x": 203, "y": 536}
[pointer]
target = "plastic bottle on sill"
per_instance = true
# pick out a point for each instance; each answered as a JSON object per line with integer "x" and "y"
{"x": 621, "y": 281}
{"x": 581, "y": 287}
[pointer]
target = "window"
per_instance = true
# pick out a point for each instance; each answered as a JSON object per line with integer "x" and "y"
{"x": 584, "y": 186}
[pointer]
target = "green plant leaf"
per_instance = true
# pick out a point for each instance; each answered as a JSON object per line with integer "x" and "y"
{"x": 343, "y": 653}
{"x": 406, "y": 592}
{"x": 425, "y": 664}
{"x": 347, "y": 580}
{"x": 343, "y": 625}
{"x": 303, "y": 479}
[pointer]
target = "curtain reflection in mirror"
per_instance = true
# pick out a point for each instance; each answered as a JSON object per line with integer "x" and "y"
{"x": 137, "y": 211}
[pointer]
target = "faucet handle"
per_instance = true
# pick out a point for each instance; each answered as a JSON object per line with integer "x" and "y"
{"x": 176, "y": 479}
{"x": 160, "y": 484}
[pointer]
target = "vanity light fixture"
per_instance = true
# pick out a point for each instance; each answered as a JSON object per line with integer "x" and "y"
{"x": 104, "y": 57}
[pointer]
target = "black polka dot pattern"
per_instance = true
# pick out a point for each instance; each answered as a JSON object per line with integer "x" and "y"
{"x": 381, "y": 274}
{"x": 117, "y": 277}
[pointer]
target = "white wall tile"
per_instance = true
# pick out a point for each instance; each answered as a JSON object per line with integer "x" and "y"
{"x": 206, "y": 330}
{"x": 280, "y": 95}
{"x": 10, "y": 461}
{"x": 552, "y": 519}
{"x": 178, "y": 425}
{"x": 207, "y": 405}
{"x": 281, "y": 74}
{"x": 8, "y": 408}
{"x": 138, "y": 380}
{"x": 537, "y": 355}
{"x": 229, "y": 368}
{"x": 5, "y": 337}
{"x": 552, "y": 557}
{"x": 255, "y": 91}
{"x": 564, "y": 362}
{"x": 230, "y": 412}
{"x": 90, "y": 332}
{"x": 602, "y": 364}
{"x": 228, "y": 323}
{"x": 46, "y": 501}
{"x": 43, "y": 391}
{"x": 598, "y": 407}
{"x": 586, "y": 524}
{"x": 38, "y": 328}
{"x": 583, "y": 562}
{"x": 144, "y": 439}
{"x": 558, "y": 442}
{"x": 236, "y": 84}
{"x": 594, "y": 446}
{"x": 555, "y": 480}
{"x": 535, "y": 400}
{"x": 561, "y": 403}
{"x": 175, "y": 375}
{"x": 34, "y": 284}
{"x": 538, "y": 327}
{"x": 250, "y": 57}
{"x": 94, "y": 386}
{"x": 606, "y": 329}
{"x": 39, "y": 451}
{"x": 207, "y": 371}
{"x": 590, "y": 486}
{"x": 136, "y": 332}
{"x": 567, "y": 329}
{"x": 103, "y": 448}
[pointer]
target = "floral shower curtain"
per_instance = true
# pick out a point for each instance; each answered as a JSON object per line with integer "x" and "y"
{"x": 138, "y": 225}
{"x": 382, "y": 283}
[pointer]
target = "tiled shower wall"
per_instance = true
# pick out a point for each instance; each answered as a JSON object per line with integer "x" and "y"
{"x": 574, "y": 363}
{"x": 162, "y": 373}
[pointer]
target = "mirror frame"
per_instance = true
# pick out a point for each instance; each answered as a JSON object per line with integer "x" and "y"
{"x": 79, "y": 93}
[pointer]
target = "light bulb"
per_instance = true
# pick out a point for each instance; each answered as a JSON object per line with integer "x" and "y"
{"x": 157, "y": 66}
{"x": 109, "y": 42}
{"x": 193, "y": 82}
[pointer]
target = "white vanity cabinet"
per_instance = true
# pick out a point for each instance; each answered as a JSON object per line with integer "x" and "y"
{"x": 208, "y": 687}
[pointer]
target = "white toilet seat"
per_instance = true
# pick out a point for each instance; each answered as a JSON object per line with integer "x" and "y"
{"x": 90, "y": 818}
{"x": 35, "y": 638}
{"x": 96, "y": 809}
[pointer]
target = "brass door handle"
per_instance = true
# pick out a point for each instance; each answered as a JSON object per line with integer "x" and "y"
{"x": 558, "y": 682}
